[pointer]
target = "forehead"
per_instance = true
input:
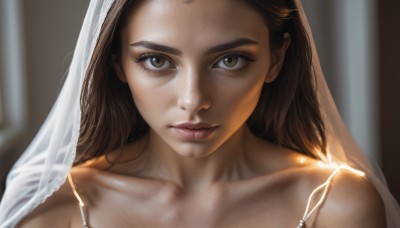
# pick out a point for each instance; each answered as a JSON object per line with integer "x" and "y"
{"x": 194, "y": 21}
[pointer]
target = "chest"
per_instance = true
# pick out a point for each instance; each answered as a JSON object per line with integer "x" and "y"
{"x": 239, "y": 207}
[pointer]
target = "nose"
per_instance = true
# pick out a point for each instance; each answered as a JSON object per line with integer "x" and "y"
{"x": 193, "y": 96}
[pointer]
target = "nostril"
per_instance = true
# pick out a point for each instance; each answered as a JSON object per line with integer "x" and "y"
{"x": 194, "y": 104}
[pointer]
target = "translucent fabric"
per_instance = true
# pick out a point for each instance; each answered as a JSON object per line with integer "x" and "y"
{"x": 45, "y": 164}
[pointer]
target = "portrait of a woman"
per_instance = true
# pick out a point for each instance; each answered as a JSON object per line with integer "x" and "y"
{"x": 197, "y": 113}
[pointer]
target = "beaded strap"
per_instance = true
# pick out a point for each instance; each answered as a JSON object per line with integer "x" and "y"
{"x": 324, "y": 187}
{"x": 82, "y": 207}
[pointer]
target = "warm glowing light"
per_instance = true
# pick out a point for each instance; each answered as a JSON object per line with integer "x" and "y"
{"x": 325, "y": 165}
{"x": 327, "y": 161}
{"x": 301, "y": 160}
{"x": 353, "y": 170}
{"x": 340, "y": 167}
{"x": 325, "y": 186}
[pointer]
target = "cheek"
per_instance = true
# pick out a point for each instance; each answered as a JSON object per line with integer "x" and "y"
{"x": 241, "y": 95}
{"x": 242, "y": 102}
{"x": 147, "y": 96}
{"x": 149, "y": 93}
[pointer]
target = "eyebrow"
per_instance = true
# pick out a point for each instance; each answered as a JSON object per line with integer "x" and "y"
{"x": 230, "y": 45}
{"x": 156, "y": 47}
{"x": 219, "y": 48}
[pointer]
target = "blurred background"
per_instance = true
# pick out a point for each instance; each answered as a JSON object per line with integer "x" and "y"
{"x": 357, "y": 40}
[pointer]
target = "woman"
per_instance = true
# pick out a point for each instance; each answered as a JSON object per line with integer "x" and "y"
{"x": 195, "y": 114}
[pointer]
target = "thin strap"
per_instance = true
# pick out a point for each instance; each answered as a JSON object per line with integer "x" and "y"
{"x": 82, "y": 206}
{"x": 324, "y": 187}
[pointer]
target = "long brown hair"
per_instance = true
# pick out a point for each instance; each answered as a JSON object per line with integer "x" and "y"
{"x": 287, "y": 113}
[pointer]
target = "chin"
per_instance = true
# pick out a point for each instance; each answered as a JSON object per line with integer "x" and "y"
{"x": 194, "y": 154}
{"x": 191, "y": 150}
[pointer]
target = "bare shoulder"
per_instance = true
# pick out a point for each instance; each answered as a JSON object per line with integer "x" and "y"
{"x": 61, "y": 209}
{"x": 352, "y": 201}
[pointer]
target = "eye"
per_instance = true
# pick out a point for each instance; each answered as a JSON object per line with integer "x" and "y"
{"x": 155, "y": 62}
{"x": 233, "y": 62}
{"x": 230, "y": 61}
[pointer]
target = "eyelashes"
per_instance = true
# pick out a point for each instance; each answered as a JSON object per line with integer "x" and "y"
{"x": 234, "y": 62}
{"x": 157, "y": 63}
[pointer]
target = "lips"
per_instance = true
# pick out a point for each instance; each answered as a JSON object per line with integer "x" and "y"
{"x": 194, "y": 131}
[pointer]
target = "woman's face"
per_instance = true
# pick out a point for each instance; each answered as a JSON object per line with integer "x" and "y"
{"x": 195, "y": 69}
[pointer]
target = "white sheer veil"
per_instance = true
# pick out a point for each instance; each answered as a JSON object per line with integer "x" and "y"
{"x": 45, "y": 164}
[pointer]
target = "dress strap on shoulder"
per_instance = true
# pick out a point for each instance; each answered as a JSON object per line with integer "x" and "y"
{"x": 324, "y": 188}
{"x": 82, "y": 206}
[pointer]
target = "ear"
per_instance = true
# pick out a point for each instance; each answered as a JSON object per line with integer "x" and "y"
{"x": 278, "y": 58}
{"x": 118, "y": 68}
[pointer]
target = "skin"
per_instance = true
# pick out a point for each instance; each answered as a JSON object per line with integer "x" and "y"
{"x": 229, "y": 179}
{"x": 196, "y": 86}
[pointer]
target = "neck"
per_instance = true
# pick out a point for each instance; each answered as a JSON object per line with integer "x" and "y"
{"x": 228, "y": 162}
